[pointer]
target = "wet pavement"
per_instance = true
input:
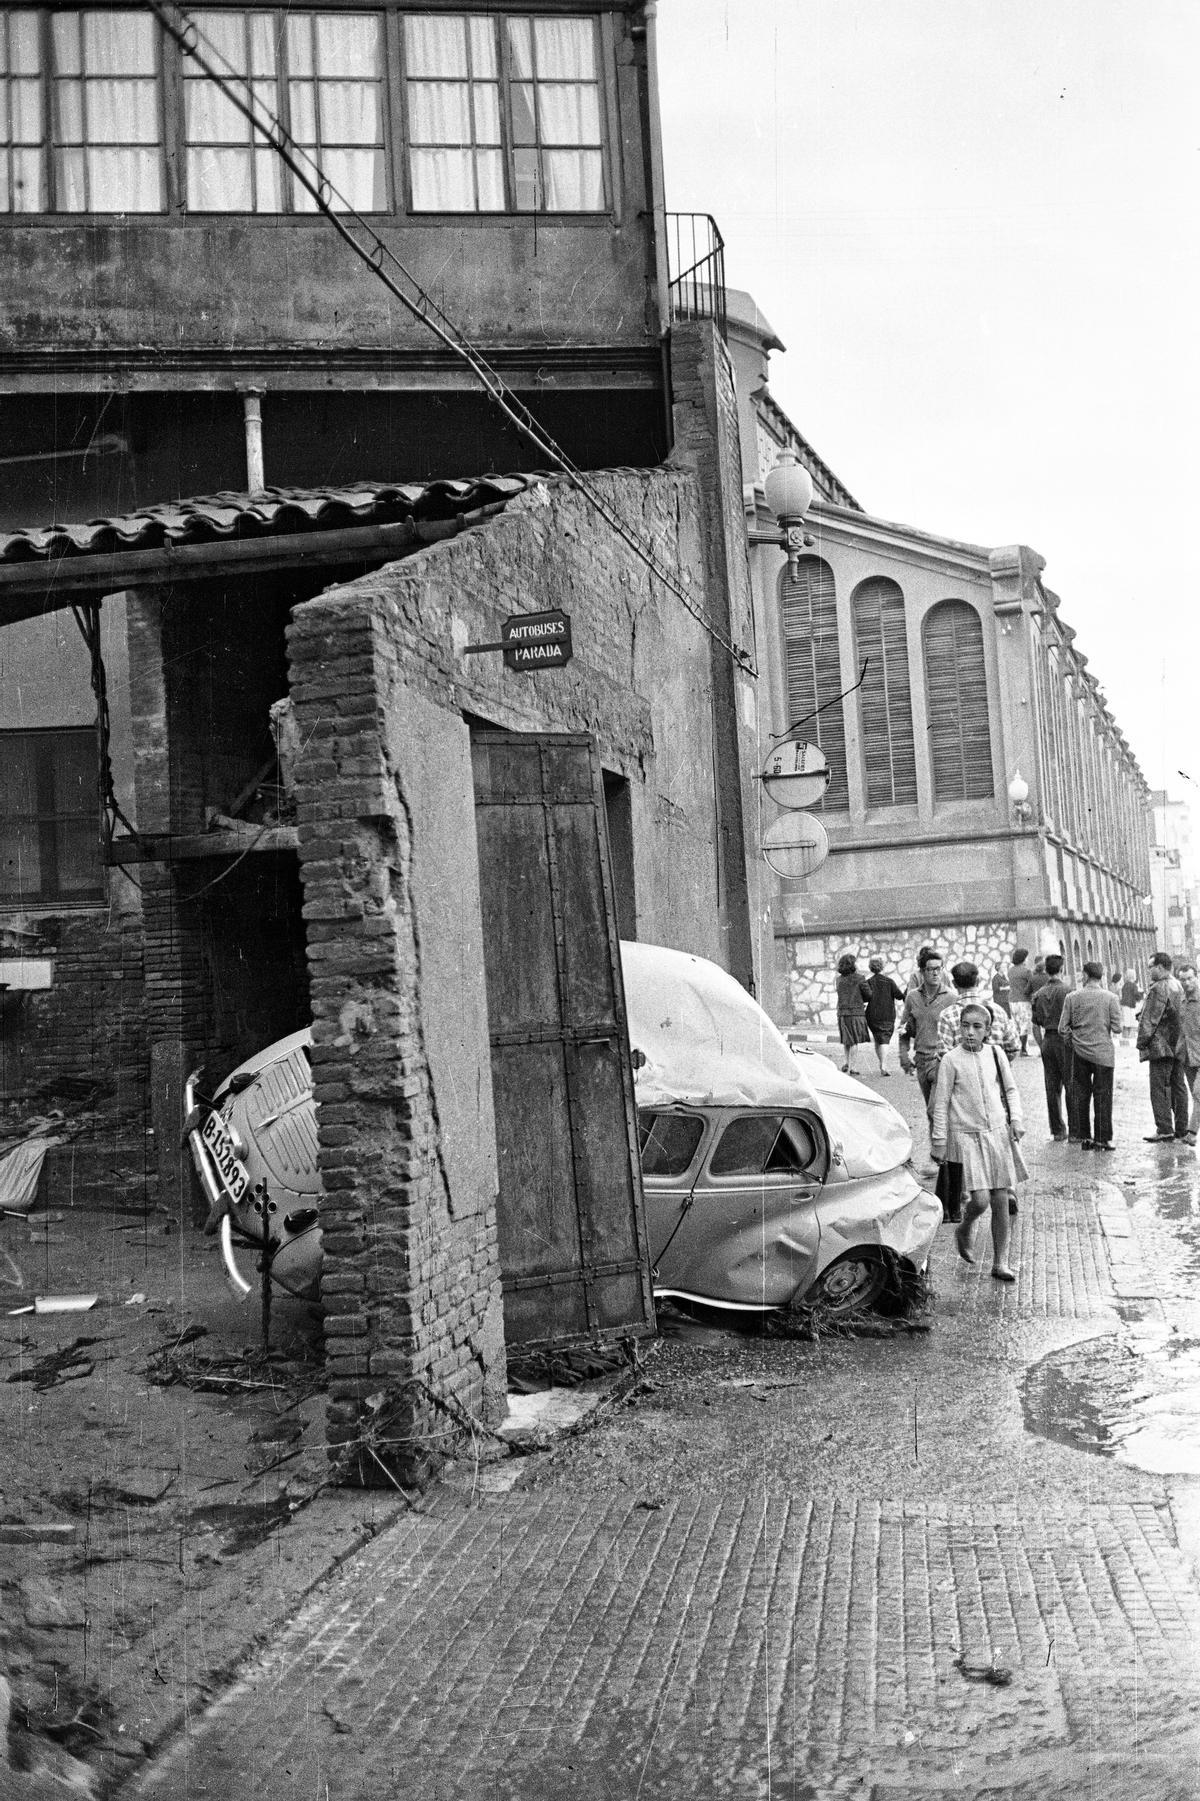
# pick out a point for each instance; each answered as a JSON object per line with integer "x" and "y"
{"x": 961, "y": 1560}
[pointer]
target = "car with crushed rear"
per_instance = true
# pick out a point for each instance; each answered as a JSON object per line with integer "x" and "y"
{"x": 770, "y": 1179}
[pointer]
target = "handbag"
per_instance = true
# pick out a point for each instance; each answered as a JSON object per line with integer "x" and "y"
{"x": 1019, "y": 1163}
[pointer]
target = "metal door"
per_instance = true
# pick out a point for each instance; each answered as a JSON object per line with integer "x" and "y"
{"x": 572, "y": 1232}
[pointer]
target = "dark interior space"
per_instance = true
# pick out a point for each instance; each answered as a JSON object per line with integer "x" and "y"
{"x": 70, "y": 458}
{"x": 247, "y": 911}
{"x": 618, "y": 808}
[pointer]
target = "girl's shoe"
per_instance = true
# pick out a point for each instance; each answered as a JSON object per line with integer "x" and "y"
{"x": 1013, "y": 1209}
{"x": 1188, "y": 1138}
{"x": 1003, "y": 1275}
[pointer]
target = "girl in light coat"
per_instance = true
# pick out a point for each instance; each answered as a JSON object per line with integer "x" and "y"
{"x": 976, "y": 1122}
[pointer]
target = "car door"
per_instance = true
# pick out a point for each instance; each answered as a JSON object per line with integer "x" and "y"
{"x": 749, "y": 1235}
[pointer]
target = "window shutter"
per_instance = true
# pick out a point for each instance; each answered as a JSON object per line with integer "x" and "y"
{"x": 814, "y": 667}
{"x": 960, "y": 739}
{"x": 889, "y": 750}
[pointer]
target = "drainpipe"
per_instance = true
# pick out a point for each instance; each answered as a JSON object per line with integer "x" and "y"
{"x": 252, "y": 405}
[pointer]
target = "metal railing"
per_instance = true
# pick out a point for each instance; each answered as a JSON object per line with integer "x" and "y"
{"x": 696, "y": 268}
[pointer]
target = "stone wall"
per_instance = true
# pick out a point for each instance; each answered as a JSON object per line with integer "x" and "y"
{"x": 812, "y": 961}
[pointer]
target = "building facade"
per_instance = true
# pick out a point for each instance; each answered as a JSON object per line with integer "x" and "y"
{"x": 1173, "y": 876}
{"x": 936, "y": 676}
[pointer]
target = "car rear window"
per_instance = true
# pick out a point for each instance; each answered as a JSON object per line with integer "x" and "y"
{"x": 668, "y": 1141}
{"x": 764, "y": 1144}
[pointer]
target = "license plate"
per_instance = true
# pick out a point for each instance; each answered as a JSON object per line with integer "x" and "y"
{"x": 225, "y": 1159}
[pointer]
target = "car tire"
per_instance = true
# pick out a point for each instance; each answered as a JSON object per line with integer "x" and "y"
{"x": 853, "y": 1283}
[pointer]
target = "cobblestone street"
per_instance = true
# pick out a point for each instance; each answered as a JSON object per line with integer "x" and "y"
{"x": 874, "y": 1567}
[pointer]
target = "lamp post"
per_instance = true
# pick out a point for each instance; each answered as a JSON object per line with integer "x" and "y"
{"x": 1018, "y": 794}
{"x": 788, "y": 490}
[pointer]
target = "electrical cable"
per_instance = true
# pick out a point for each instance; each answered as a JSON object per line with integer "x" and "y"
{"x": 374, "y": 252}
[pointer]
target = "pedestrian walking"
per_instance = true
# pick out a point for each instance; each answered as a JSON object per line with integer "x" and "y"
{"x": 1132, "y": 996}
{"x": 1089, "y": 1023}
{"x": 852, "y": 997}
{"x": 1190, "y": 1013}
{"x": 1020, "y": 996}
{"x": 1001, "y": 1031}
{"x": 923, "y": 955}
{"x": 1056, "y": 1053}
{"x": 1161, "y": 1044}
{"x": 1002, "y": 987}
{"x": 881, "y": 1010}
{"x": 977, "y": 1123}
{"x": 920, "y": 1047}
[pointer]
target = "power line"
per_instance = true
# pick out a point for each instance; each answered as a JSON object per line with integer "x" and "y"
{"x": 366, "y": 244}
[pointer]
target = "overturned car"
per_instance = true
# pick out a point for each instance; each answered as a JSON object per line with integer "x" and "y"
{"x": 770, "y": 1179}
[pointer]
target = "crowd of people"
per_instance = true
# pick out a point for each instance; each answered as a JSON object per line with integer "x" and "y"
{"x": 958, "y": 1040}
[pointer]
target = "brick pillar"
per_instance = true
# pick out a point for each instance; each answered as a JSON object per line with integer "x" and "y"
{"x": 173, "y": 970}
{"x": 410, "y": 1285}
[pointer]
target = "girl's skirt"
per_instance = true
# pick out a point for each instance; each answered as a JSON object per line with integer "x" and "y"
{"x": 987, "y": 1160}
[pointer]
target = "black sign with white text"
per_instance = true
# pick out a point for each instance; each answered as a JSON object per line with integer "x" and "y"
{"x": 537, "y": 641}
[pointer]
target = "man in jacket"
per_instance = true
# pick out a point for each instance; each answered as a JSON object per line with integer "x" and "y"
{"x": 1090, "y": 1022}
{"x": 1161, "y": 1044}
{"x": 1191, "y": 1042}
{"x": 1056, "y": 1052}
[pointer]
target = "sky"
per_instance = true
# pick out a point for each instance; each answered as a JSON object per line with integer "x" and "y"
{"x": 975, "y": 224}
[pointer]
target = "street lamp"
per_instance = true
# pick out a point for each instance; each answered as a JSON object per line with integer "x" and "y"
{"x": 1018, "y": 794}
{"x": 788, "y": 490}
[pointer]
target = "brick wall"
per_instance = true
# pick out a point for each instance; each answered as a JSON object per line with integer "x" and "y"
{"x": 382, "y": 692}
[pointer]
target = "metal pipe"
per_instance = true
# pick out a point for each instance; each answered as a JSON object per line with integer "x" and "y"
{"x": 252, "y": 406}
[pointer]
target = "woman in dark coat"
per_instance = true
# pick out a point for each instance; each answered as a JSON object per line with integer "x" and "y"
{"x": 852, "y": 997}
{"x": 881, "y": 1010}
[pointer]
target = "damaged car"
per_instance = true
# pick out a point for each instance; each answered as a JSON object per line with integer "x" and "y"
{"x": 770, "y": 1178}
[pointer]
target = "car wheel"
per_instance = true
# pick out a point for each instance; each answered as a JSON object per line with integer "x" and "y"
{"x": 853, "y": 1283}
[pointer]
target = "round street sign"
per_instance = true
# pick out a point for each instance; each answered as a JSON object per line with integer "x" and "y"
{"x": 796, "y": 774}
{"x": 795, "y": 845}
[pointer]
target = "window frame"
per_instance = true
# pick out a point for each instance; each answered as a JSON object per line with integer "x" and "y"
{"x": 174, "y": 144}
{"x": 46, "y": 822}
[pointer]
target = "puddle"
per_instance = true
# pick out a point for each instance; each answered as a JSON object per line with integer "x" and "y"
{"x": 1134, "y": 1396}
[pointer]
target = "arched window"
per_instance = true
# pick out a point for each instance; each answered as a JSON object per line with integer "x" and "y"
{"x": 814, "y": 668}
{"x": 889, "y": 753}
{"x": 960, "y": 739}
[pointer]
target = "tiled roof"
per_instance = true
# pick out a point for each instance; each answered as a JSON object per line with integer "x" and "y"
{"x": 275, "y": 512}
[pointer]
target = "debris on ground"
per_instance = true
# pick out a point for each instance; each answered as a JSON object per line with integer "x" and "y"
{"x": 993, "y": 1673}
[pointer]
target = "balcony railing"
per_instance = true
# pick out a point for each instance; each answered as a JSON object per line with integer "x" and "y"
{"x": 696, "y": 268}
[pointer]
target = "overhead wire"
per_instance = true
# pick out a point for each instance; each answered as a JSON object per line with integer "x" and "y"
{"x": 374, "y": 252}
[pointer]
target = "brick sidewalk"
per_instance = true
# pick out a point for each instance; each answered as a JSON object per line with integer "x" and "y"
{"x": 531, "y": 1647}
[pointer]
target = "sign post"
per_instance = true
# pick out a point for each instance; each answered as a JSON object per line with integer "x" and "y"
{"x": 532, "y": 641}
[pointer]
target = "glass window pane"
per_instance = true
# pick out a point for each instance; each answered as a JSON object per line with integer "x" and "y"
{"x": 524, "y": 115}
{"x": 668, "y": 1142}
{"x": 24, "y": 56}
{"x": 360, "y": 176}
{"x": 26, "y": 112}
{"x": 68, "y": 112}
{"x": 566, "y": 49}
{"x": 483, "y": 47}
{"x": 226, "y": 32}
{"x": 348, "y": 45}
{"x": 574, "y": 181}
{"x": 264, "y": 45}
{"x": 70, "y": 181}
{"x": 18, "y": 775}
{"x": 302, "y": 96}
{"x": 569, "y": 115}
{"x": 489, "y": 176}
{"x": 746, "y": 1145}
{"x": 20, "y": 858}
{"x": 211, "y": 118}
{"x": 299, "y": 43}
{"x": 122, "y": 112}
{"x": 73, "y": 755}
{"x": 525, "y": 178}
{"x": 350, "y": 112}
{"x": 6, "y": 205}
{"x": 218, "y": 181}
{"x": 78, "y": 858}
{"x": 435, "y": 46}
{"x": 124, "y": 181}
{"x": 486, "y": 97}
{"x": 28, "y": 181}
{"x": 118, "y": 43}
{"x": 520, "y": 47}
{"x": 442, "y": 181}
{"x": 439, "y": 112}
{"x": 267, "y": 197}
{"x": 68, "y": 56}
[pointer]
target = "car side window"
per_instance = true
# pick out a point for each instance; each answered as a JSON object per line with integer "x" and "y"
{"x": 765, "y": 1144}
{"x": 668, "y": 1141}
